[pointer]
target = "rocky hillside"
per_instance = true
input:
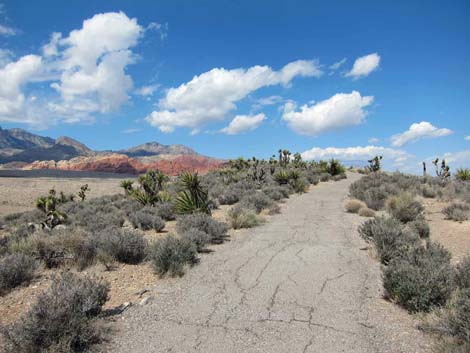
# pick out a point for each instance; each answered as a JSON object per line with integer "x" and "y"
{"x": 21, "y": 149}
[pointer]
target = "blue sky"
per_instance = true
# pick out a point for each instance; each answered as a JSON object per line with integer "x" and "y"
{"x": 243, "y": 78}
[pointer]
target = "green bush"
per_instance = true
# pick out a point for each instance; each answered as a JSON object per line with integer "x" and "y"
{"x": 205, "y": 223}
{"x": 170, "y": 255}
{"x": 457, "y": 318}
{"x": 421, "y": 279}
{"x": 166, "y": 211}
{"x": 61, "y": 320}
{"x": 404, "y": 207}
{"x": 123, "y": 245}
{"x": 241, "y": 217}
{"x": 15, "y": 270}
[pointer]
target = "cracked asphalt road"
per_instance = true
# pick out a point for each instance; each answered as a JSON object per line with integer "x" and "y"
{"x": 299, "y": 283}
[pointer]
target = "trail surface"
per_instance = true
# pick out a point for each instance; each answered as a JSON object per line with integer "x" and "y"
{"x": 299, "y": 283}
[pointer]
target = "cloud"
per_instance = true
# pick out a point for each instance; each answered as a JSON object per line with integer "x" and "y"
{"x": 265, "y": 101}
{"x": 373, "y": 140}
{"x": 338, "y": 64}
{"x": 341, "y": 110}
{"x": 359, "y": 153}
{"x": 6, "y": 31}
{"x": 243, "y": 123}
{"x": 13, "y": 77}
{"x": 467, "y": 138}
{"x": 210, "y": 96}
{"x": 460, "y": 159}
{"x": 161, "y": 28}
{"x": 364, "y": 65}
{"x": 146, "y": 90}
{"x": 418, "y": 131}
{"x": 130, "y": 131}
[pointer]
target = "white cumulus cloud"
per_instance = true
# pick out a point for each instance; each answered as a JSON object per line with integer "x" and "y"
{"x": 373, "y": 140}
{"x": 13, "y": 77}
{"x": 210, "y": 96}
{"x": 340, "y": 110}
{"x": 243, "y": 123}
{"x": 358, "y": 153}
{"x": 418, "y": 131}
{"x": 467, "y": 138}
{"x": 148, "y": 90}
{"x": 364, "y": 65}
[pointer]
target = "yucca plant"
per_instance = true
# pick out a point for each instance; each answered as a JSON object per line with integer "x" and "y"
{"x": 463, "y": 174}
{"x": 282, "y": 177}
{"x": 194, "y": 198}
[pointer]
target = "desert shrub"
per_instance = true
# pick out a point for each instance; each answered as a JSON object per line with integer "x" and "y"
{"x": 420, "y": 227}
{"x": 428, "y": 191}
{"x": 165, "y": 210}
{"x": 198, "y": 237}
{"x": 456, "y": 211}
{"x": 353, "y": 206}
{"x": 95, "y": 217}
{"x": 336, "y": 168}
{"x": 170, "y": 255}
{"x": 457, "y": 318}
{"x": 61, "y": 320}
{"x": 15, "y": 270}
{"x": 275, "y": 192}
{"x": 228, "y": 197}
{"x": 123, "y": 245}
{"x": 325, "y": 177}
{"x": 58, "y": 247}
{"x": 389, "y": 237}
{"x": 421, "y": 279}
{"x": 404, "y": 207}
{"x": 366, "y": 212}
{"x": 241, "y": 217}
{"x": 215, "y": 229}
{"x": 299, "y": 185}
{"x": 23, "y": 218}
{"x": 274, "y": 209}
{"x": 147, "y": 219}
{"x": 462, "y": 273}
{"x": 257, "y": 201}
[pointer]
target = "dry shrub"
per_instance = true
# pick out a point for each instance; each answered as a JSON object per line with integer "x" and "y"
{"x": 170, "y": 255}
{"x": 366, "y": 212}
{"x": 353, "y": 206}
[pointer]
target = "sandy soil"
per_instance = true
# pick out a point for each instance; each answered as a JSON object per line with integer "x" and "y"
{"x": 455, "y": 236}
{"x": 19, "y": 194}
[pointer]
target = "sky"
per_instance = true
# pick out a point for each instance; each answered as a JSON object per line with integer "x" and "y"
{"x": 343, "y": 79}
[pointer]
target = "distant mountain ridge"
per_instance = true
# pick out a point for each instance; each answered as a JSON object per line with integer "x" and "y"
{"x": 22, "y": 149}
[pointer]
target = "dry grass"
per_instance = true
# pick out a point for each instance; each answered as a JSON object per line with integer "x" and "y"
{"x": 354, "y": 205}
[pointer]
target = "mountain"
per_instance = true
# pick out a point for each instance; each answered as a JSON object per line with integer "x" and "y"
{"x": 22, "y": 149}
{"x": 19, "y": 139}
{"x": 155, "y": 148}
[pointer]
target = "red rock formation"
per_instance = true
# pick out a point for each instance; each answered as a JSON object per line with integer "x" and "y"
{"x": 118, "y": 163}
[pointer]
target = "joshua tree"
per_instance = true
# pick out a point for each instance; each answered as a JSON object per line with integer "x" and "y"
{"x": 272, "y": 164}
{"x": 82, "y": 193}
{"x": 127, "y": 186}
{"x": 374, "y": 164}
{"x": 151, "y": 185}
{"x": 48, "y": 204}
{"x": 444, "y": 171}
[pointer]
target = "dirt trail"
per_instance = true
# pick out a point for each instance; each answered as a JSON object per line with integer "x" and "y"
{"x": 299, "y": 283}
